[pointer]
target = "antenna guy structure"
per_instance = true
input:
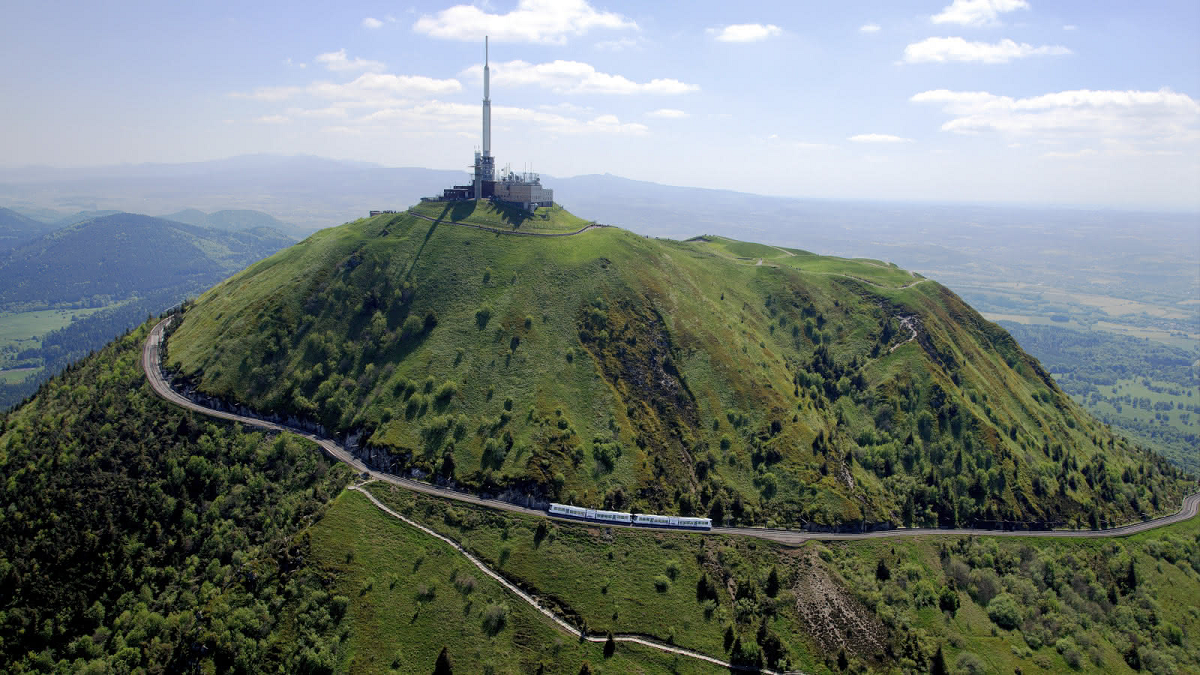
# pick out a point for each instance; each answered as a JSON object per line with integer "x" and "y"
{"x": 523, "y": 189}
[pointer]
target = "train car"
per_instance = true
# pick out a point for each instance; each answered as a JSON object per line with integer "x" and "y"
{"x": 654, "y": 520}
{"x": 621, "y": 518}
{"x": 614, "y": 517}
{"x": 569, "y": 511}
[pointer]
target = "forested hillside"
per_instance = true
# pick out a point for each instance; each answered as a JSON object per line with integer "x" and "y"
{"x": 1145, "y": 389}
{"x": 139, "y": 537}
{"x": 750, "y": 383}
{"x": 127, "y": 266}
{"x": 112, "y": 258}
{"x": 136, "y": 535}
{"x": 16, "y": 229}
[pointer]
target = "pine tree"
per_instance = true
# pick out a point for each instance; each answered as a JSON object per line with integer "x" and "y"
{"x": 882, "y": 572}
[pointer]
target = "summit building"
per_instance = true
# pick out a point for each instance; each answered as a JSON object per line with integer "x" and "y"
{"x": 522, "y": 189}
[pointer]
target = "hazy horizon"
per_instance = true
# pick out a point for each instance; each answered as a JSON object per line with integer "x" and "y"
{"x": 967, "y": 101}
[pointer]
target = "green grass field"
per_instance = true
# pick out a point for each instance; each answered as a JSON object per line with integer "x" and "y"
{"x": 15, "y": 375}
{"x": 606, "y": 577}
{"x": 410, "y": 595}
{"x": 1167, "y": 404}
{"x": 875, "y": 272}
{"x": 23, "y": 330}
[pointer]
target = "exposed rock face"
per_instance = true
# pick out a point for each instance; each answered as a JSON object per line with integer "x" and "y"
{"x": 832, "y": 616}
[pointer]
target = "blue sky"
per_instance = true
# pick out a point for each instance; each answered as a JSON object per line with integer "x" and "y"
{"x": 998, "y": 101}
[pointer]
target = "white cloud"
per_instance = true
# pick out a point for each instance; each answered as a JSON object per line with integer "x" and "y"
{"x": 618, "y": 45}
{"x": 575, "y": 77}
{"x": 879, "y": 138}
{"x": 745, "y": 32}
{"x": 339, "y": 62}
{"x": 945, "y": 49}
{"x": 318, "y": 113}
{"x": 869, "y": 28}
{"x": 668, "y": 113}
{"x": 1086, "y": 152}
{"x": 1069, "y": 26}
{"x": 376, "y": 85}
{"x": 536, "y": 21}
{"x": 565, "y": 106}
{"x": 439, "y": 116}
{"x": 370, "y": 22}
{"x": 977, "y": 12}
{"x": 368, "y": 88}
{"x": 1140, "y": 121}
{"x": 272, "y": 119}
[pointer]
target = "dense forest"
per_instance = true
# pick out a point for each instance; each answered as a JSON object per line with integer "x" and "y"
{"x": 138, "y": 536}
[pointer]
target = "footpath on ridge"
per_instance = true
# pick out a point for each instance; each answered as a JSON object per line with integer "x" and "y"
{"x": 497, "y": 230}
{"x": 153, "y": 368}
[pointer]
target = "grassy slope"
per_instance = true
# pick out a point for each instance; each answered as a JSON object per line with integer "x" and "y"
{"x": 604, "y": 577}
{"x": 772, "y": 390}
{"x": 410, "y": 596}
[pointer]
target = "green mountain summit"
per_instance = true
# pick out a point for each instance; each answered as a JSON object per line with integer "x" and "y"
{"x": 749, "y": 383}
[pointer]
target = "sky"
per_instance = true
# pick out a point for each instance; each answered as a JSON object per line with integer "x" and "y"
{"x": 1090, "y": 103}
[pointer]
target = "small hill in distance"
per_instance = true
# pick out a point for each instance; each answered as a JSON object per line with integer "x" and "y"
{"x": 16, "y": 229}
{"x": 113, "y": 257}
{"x": 68, "y": 292}
{"x": 231, "y": 219}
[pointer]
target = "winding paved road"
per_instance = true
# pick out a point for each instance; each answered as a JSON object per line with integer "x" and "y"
{"x": 153, "y": 369}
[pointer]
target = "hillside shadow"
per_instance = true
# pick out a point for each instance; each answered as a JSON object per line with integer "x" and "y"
{"x": 459, "y": 211}
{"x": 429, "y": 234}
{"x": 513, "y": 216}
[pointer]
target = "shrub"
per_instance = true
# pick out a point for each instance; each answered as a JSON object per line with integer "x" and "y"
{"x": 412, "y": 326}
{"x": 673, "y": 569}
{"x": 970, "y": 664}
{"x": 948, "y": 600}
{"x": 1070, "y": 652}
{"x": 465, "y": 584}
{"x": 446, "y": 391}
{"x": 482, "y": 315}
{"x": 662, "y": 584}
{"x": 494, "y": 618}
{"x": 1004, "y": 611}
